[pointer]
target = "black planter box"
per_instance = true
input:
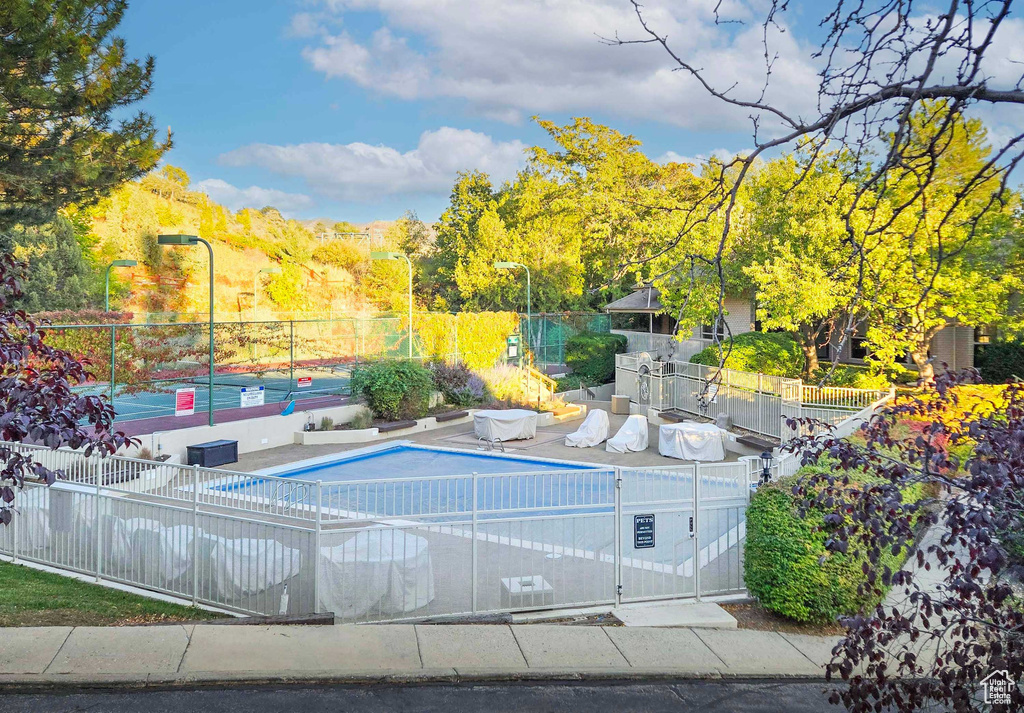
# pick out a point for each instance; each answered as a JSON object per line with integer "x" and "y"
{"x": 212, "y": 454}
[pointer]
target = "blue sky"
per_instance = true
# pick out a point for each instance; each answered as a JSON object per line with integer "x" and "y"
{"x": 361, "y": 109}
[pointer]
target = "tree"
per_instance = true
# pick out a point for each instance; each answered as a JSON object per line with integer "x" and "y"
{"x": 39, "y": 403}
{"x": 935, "y": 644}
{"x": 470, "y": 196}
{"x": 794, "y": 249}
{"x": 948, "y": 233}
{"x": 63, "y": 78}
{"x": 878, "y": 66}
{"x": 59, "y": 272}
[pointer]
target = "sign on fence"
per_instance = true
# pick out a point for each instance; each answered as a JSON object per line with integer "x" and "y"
{"x": 304, "y": 382}
{"x": 643, "y": 532}
{"x": 252, "y": 396}
{"x": 185, "y": 401}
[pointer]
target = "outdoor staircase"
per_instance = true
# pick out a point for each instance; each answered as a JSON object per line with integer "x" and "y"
{"x": 537, "y": 387}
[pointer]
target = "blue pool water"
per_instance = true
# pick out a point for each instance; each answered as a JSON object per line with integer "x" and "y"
{"x": 403, "y": 461}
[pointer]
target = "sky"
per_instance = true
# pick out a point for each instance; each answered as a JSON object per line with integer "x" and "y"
{"x": 362, "y": 109}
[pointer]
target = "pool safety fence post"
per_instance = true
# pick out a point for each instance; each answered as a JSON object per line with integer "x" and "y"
{"x": 473, "y": 563}
{"x": 195, "y": 532}
{"x": 617, "y": 530}
{"x": 696, "y": 530}
{"x": 316, "y": 548}
{"x": 96, "y": 521}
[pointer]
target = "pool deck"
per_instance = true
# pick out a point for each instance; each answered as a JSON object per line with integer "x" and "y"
{"x": 549, "y": 443}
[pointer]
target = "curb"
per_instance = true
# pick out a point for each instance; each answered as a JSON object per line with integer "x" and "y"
{"x": 196, "y": 679}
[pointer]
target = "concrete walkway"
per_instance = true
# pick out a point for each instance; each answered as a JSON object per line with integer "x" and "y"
{"x": 207, "y": 653}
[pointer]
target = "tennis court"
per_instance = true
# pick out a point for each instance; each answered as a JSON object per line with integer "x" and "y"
{"x": 158, "y": 399}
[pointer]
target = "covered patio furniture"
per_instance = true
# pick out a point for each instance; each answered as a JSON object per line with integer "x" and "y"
{"x": 592, "y": 432}
{"x": 692, "y": 441}
{"x": 505, "y": 424}
{"x": 631, "y": 437}
{"x": 249, "y": 566}
{"x": 376, "y": 573}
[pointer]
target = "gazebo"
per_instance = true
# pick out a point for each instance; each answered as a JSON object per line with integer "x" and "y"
{"x": 644, "y": 300}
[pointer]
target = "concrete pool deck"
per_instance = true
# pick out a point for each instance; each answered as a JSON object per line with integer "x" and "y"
{"x": 549, "y": 443}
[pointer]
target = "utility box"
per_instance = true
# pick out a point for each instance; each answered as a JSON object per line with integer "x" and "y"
{"x": 620, "y": 405}
{"x": 212, "y": 454}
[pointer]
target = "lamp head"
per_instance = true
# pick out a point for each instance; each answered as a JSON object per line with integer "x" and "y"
{"x": 504, "y": 265}
{"x": 272, "y": 270}
{"x": 177, "y": 240}
{"x": 124, "y": 263}
{"x": 376, "y": 255}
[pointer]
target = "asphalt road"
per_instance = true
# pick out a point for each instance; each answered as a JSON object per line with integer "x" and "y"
{"x": 677, "y": 697}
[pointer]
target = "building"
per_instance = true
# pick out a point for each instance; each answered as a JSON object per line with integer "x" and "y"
{"x": 955, "y": 345}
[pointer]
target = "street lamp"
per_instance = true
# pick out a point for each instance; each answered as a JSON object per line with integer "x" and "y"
{"x": 503, "y": 265}
{"x": 193, "y": 240}
{"x": 272, "y": 270}
{"x": 106, "y": 308}
{"x": 399, "y": 256}
{"x": 766, "y": 467}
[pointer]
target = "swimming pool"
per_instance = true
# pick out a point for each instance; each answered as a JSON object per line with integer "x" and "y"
{"x": 413, "y": 481}
{"x": 404, "y": 460}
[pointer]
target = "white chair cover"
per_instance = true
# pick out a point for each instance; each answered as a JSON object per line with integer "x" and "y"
{"x": 592, "y": 432}
{"x": 631, "y": 437}
{"x": 250, "y": 566}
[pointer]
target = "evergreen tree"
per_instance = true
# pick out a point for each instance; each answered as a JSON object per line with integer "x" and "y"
{"x": 63, "y": 76}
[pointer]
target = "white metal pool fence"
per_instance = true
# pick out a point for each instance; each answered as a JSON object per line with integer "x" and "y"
{"x": 760, "y": 403}
{"x": 388, "y": 550}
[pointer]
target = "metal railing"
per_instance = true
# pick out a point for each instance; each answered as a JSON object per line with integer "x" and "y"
{"x": 387, "y": 549}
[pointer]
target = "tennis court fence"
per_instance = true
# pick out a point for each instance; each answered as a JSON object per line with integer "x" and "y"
{"x": 140, "y": 366}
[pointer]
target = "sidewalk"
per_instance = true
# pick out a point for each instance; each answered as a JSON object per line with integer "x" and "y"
{"x": 204, "y": 653}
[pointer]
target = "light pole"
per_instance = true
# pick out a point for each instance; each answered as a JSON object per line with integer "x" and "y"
{"x": 399, "y": 256}
{"x": 193, "y": 240}
{"x": 529, "y": 315}
{"x": 106, "y": 308}
{"x": 272, "y": 270}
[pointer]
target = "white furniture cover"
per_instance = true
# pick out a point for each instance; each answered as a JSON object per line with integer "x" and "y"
{"x": 692, "y": 441}
{"x": 505, "y": 424}
{"x": 376, "y": 572}
{"x": 592, "y": 432}
{"x": 249, "y": 566}
{"x": 631, "y": 437}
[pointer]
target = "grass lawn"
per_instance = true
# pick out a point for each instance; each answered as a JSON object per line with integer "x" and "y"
{"x": 29, "y": 597}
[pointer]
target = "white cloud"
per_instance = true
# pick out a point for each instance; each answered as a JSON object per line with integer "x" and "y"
{"x": 252, "y": 197}
{"x": 361, "y": 172}
{"x": 673, "y": 157}
{"x": 510, "y": 58}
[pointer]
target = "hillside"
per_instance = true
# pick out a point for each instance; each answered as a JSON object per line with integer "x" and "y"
{"x": 314, "y": 275}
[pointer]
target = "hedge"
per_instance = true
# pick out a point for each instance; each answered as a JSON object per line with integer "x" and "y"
{"x": 591, "y": 356}
{"x": 1001, "y": 361}
{"x": 787, "y": 567}
{"x": 394, "y": 389}
{"x": 478, "y": 338}
{"x": 772, "y": 353}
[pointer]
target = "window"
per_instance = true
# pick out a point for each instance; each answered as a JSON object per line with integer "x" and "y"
{"x": 824, "y": 351}
{"x": 859, "y": 348}
{"x": 985, "y": 334}
{"x": 707, "y": 331}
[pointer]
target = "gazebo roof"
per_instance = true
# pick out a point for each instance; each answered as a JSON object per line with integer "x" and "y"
{"x": 644, "y": 300}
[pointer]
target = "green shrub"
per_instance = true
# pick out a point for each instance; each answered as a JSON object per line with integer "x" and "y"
{"x": 460, "y": 386}
{"x": 393, "y": 389}
{"x": 857, "y": 377}
{"x": 1001, "y": 361}
{"x": 787, "y": 567}
{"x": 326, "y": 423}
{"x": 591, "y": 356}
{"x": 362, "y": 419}
{"x": 772, "y": 353}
